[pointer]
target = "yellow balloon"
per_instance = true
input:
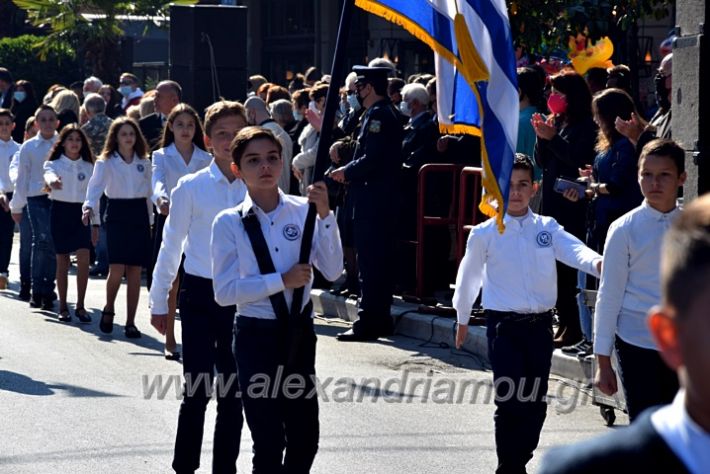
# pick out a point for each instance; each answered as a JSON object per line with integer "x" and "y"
{"x": 596, "y": 55}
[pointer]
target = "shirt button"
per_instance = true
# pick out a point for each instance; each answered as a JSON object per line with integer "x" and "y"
{"x": 277, "y": 249}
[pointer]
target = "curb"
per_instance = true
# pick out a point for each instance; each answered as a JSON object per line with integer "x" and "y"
{"x": 439, "y": 329}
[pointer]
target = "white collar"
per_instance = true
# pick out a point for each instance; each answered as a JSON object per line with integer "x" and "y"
{"x": 655, "y": 213}
{"x": 248, "y": 204}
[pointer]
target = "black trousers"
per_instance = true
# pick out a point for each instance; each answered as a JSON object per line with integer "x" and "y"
{"x": 567, "y": 308}
{"x": 278, "y": 416}
{"x": 375, "y": 248}
{"x": 520, "y": 350}
{"x": 646, "y": 379}
{"x": 207, "y": 353}
{"x": 7, "y": 229}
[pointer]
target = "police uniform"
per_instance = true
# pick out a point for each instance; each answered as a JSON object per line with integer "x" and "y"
{"x": 517, "y": 271}
{"x": 373, "y": 177}
{"x": 279, "y": 419}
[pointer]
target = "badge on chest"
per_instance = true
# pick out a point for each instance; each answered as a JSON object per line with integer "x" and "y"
{"x": 140, "y": 168}
{"x": 291, "y": 232}
{"x": 544, "y": 239}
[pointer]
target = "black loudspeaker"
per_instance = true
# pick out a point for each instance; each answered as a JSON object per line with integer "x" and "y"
{"x": 208, "y": 52}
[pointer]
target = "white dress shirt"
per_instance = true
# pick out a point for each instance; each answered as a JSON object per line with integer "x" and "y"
{"x": 30, "y": 170}
{"x": 286, "y": 152}
{"x": 74, "y": 174}
{"x": 688, "y": 441}
{"x": 631, "y": 281}
{"x": 7, "y": 150}
{"x": 119, "y": 180}
{"x": 194, "y": 204}
{"x": 14, "y": 166}
{"x": 237, "y": 278}
{"x": 169, "y": 167}
{"x": 517, "y": 269}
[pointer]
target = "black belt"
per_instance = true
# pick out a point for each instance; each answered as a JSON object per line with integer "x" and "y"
{"x": 512, "y": 316}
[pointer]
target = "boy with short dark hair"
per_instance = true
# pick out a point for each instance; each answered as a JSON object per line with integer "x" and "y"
{"x": 674, "y": 438}
{"x": 8, "y": 147}
{"x": 255, "y": 262}
{"x": 30, "y": 191}
{"x": 630, "y": 284}
{"x": 517, "y": 270}
{"x": 206, "y": 326}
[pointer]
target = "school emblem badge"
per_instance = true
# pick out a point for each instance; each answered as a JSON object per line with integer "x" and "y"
{"x": 544, "y": 239}
{"x": 375, "y": 126}
{"x": 81, "y": 177}
{"x": 291, "y": 232}
{"x": 140, "y": 168}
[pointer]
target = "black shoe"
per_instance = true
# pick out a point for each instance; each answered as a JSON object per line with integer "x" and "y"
{"x": 47, "y": 303}
{"x": 585, "y": 349}
{"x": 36, "y": 301}
{"x": 64, "y": 315}
{"x": 106, "y": 323}
{"x": 82, "y": 316}
{"x": 25, "y": 292}
{"x": 574, "y": 348}
{"x": 132, "y": 332}
{"x": 352, "y": 336}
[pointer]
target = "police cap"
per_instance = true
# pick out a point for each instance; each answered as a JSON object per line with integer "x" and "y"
{"x": 372, "y": 75}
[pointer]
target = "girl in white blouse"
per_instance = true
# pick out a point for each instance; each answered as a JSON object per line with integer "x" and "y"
{"x": 182, "y": 152}
{"x": 123, "y": 172}
{"x": 66, "y": 174}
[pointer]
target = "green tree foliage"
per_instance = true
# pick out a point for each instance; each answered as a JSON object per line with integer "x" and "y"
{"x": 96, "y": 38}
{"x": 543, "y": 25}
{"x": 19, "y": 56}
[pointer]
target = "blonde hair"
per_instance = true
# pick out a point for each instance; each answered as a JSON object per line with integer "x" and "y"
{"x": 66, "y": 100}
{"x": 221, "y": 109}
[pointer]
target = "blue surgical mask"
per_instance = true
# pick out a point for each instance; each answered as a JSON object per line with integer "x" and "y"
{"x": 354, "y": 103}
{"x": 405, "y": 109}
{"x": 343, "y": 108}
{"x": 125, "y": 90}
{"x": 297, "y": 116}
{"x": 20, "y": 96}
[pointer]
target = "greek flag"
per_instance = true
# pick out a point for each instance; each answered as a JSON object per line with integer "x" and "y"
{"x": 476, "y": 79}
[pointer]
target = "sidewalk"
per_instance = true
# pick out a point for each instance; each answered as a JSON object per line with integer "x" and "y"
{"x": 440, "y": 330}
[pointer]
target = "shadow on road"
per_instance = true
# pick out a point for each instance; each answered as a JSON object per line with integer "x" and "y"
{"x": 24, "y": 385}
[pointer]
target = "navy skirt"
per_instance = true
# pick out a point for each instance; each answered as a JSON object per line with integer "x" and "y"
{"x": 128, "y": 232}
{"x": 68, "y": 232}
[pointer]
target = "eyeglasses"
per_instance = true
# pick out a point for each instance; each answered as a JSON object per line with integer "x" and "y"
{"x": 360, "y": 86}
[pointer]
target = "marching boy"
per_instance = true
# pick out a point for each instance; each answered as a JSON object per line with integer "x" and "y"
{"x": 518, "y": 274}
{"x": 255, "y": 251}
{"x": 206, "y": 326}
{"x": 8, "y": 147}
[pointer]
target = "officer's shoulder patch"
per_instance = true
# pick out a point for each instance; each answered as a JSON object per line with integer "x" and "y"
{"x": 374, "y": 126}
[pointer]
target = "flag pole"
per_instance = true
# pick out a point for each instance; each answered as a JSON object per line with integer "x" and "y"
{"x": 337, "y": 77}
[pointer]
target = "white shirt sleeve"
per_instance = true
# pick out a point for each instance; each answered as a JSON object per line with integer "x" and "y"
{"x": 97, "y": 185}
{"x": 328, "y": 252}
{"x": 572, "y": 252}
{"x": 175, "y": 232}
{"x": 229, "y": 286}
{"x": 469, "y": 277}
{"x": 50, "y": 175}
{"x": 19, "y": 198}
{"x": 14, "y": 165}
{"x": 615, "y": 275}
{"x": 158, "y": 178}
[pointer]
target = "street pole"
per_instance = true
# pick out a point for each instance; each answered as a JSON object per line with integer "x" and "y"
{"x": 337, "y": 77}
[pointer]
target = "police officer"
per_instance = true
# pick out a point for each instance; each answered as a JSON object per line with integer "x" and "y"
{"x": 373, "y": 175}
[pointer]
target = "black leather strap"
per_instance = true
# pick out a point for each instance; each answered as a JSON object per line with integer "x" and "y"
{"x": 266, "y": 264}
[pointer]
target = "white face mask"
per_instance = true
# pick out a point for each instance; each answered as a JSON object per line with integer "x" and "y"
{"x": 297, "y": 116}
{"x": 405, "y": 109}
{"x": 354, "y": 103}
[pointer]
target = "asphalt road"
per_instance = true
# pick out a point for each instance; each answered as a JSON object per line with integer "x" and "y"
{"x": 75, "y": 401}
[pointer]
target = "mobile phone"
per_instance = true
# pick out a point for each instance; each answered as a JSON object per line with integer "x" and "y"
{"x": 562, "y": 185}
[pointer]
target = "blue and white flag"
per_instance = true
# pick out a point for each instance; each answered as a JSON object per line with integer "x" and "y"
{"x": 473, "y": 37}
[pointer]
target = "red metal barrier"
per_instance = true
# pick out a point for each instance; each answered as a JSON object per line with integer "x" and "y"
{"x": 425, "y": 221}
{"x": 466, "y": 220}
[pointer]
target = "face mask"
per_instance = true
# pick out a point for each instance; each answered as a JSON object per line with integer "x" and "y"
{"x": 405, "y": 109}
{"x": 343, "y": 108}
{"x": 312, "y": 106}
{"x": 125, "y": 90}
{"x": 20, "y": 96}
{"x": 297, "y": 116}
{"x": 661, "y": 92}
{"x": 557, "y": 104}
{"x": 354, "y": 102}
